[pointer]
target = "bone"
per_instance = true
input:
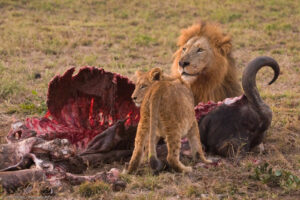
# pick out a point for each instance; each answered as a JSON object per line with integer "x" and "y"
{"x": 41, "y": 164}
{"x": 57, "y": 148}
{"x": 11, "y": 181}
{"x": 19, "y": 131}
{"x": 20, "y": 154}
{"x": 111, "y": 177}
{"x": 108, "y": 177}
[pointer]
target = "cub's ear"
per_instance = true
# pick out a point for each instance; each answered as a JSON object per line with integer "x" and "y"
{"x": 225, "y": 45}
{"x": 156, "y": 74}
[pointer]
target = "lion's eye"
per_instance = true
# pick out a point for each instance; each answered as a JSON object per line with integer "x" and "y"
{"x": 199, "y": 50}
{"x": 143, "y": 86}
{"x": 183, "y": 49}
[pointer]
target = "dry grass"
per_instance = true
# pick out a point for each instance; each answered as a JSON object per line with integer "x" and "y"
{"x": 46, "y": 37}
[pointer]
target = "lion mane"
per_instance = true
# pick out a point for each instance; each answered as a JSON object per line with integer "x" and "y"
{"x": 219, "y": 80}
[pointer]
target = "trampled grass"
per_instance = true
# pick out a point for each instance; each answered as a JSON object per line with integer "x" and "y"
{"x": 47, "y": 37}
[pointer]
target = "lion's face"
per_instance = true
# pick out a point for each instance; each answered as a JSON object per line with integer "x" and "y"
{"x": 195, "y": 58}
{"x": 143, "y": 83}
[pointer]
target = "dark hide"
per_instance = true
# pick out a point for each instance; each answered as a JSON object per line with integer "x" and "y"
{"x": 114, "y": 144}
{"x": 14, "y": 155}
{"x": 11, "y": 181}
{"x": 111, "y": 139}
{"x": 97, "y": 159}
{"x": 236, "y": 128}
{"x": 74, "y": 164}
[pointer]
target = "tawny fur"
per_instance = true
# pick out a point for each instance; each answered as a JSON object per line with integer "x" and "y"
{"x": 167, "y": 110}
{"x": 217, "y": 78}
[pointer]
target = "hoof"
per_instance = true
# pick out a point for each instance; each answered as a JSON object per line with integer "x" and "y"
{"x": 118, "y": 186}
{"x": 156, "y": 165}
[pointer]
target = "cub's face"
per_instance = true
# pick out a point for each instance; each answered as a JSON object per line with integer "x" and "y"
{"x": 195, "y": 57}
{"x": 143, "y": 84}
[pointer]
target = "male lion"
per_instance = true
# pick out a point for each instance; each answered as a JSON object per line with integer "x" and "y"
{"x": 204, "y": 61}
{"x": 167, "y": 110}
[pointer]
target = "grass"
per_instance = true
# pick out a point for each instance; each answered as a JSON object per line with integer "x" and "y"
{"x": 91, "y": 189}
{"x": 280, "y": 178}
{"x": 47, "y": 37}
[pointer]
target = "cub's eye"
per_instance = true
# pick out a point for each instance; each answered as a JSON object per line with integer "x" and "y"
{"x": 143, "y": 86}
{"x": 183, "y": 49}
{"x": 199, "y": 50}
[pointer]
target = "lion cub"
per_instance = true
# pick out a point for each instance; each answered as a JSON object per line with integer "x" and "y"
{"x": 167, "y": 110}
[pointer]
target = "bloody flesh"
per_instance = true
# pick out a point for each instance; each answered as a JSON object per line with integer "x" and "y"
{"x": 82, "y": 106}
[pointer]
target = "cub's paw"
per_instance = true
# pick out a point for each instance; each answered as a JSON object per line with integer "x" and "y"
{"x": 129, "y": 169}
{"x": 208, "y": 161}
{"x": 187, "y": 169}
{"x": 125, "y": 170}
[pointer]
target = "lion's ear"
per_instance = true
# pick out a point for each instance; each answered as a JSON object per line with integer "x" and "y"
{"x": 156, "y": 74}
{"x": 225, "y": 46}
{"x": 138, "y": 73}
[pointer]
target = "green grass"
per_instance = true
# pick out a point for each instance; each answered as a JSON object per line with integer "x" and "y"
{"x": 276, "y": 178}
{"x": 92, "y": 189}
{"x": 49, "y": 36}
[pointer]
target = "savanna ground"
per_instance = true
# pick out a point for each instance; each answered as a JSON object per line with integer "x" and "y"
{"x": 47, "y": 37}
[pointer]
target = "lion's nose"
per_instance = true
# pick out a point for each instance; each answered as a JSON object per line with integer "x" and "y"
{"x": 183, "y": 64}
{"x": 134, "y": 98}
